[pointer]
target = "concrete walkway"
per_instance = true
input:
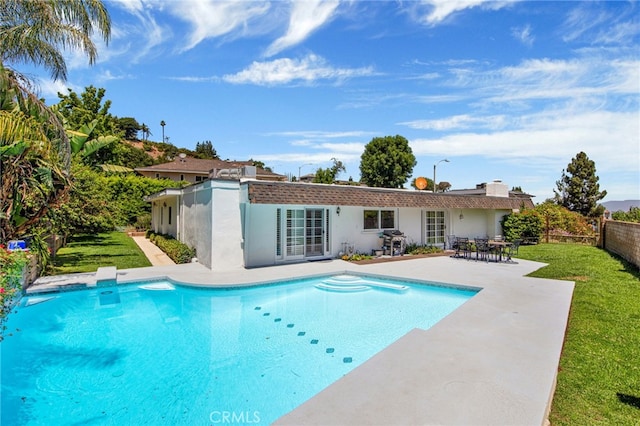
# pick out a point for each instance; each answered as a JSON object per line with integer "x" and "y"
{"x": 156, "y": 256}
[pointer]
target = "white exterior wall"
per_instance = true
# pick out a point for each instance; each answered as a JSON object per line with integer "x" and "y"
{"x": 197, "y": 220}
{"x": 260, "y": 229}
{"x": 476, "y": 223}
{"x": 164, "y": 216}
{"x": 211, "y": 223}
{"x": 226, "y": 249}
{"x": 411, "y": 223}
{"x": 497, "y": 189}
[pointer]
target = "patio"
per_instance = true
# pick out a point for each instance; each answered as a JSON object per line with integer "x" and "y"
{"x": 492, "y": 361}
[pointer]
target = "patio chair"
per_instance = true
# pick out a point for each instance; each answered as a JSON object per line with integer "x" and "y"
{"x": 482, "y": 249}
{"x": 451, "y": 242}
{"x": 462, "y": 248}
{"x": 512, "y": 250}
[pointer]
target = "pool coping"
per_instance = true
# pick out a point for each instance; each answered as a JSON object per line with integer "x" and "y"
{"x": 492, "y": 361}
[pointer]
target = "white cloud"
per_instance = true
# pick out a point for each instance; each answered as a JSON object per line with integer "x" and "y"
{"x": 524, "y": 35}
{"x": 210, "y": 19}
{"x": 620, "y": 33}
{"x": 322, "y": 134}
{"x": 440, "y": 10}
{"x": 49, "y": 89}
{"x": 463, "y": 121}
{"x": 581, "y": 20}
{"x": 609, "y": 138}
{"x": 285, "y": 71}
{"x": 306, "y": 17}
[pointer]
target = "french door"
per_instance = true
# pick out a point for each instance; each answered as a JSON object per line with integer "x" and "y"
{"x": 314, "y": 239}
{"x": 434, "y": 227}
{"x": 305, "y": 233}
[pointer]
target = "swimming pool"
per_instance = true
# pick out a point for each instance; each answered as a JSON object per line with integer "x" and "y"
{"x": 160, "y": 353}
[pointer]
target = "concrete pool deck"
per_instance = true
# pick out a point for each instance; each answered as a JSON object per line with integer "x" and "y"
{"x": 493, "y": 361}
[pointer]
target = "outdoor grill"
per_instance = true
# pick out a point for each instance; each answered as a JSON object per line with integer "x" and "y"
{"x": 393, "y": 242}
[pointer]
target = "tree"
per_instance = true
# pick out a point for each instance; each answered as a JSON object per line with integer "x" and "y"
{"x": 443, "y": 186}
{"x": 146, "y": 132}
{"x": 206, "y": 150}
{"x": 329, "y": 174}
{"x": 387, "y": 162}
{"x": 90, "y": 105}
{"x": 35, "y": 154}
{"x": 34, "y": 31}
{"x": 130, "y": 127}
{"x": 578, "y": 188}
{"x": 260, "y": 165}
{"x": 633, "y": 215}
{"x": 34, "y": 157}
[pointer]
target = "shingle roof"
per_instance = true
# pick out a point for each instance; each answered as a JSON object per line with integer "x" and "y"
{"x": 193, "y": 165}
{"x": 204, "y": 166}
{"x": 262, "y": 192}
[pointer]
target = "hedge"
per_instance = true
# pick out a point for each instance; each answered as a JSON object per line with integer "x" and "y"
{"x": 177, "y": 251}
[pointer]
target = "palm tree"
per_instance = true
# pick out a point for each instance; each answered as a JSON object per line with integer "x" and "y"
{"x": 162, "y": 123}
{"x": 34, "y": 148}
{"x": 34, "y": 31}
{"x": 34, "y": 157}
{"x": 146, "y": 132}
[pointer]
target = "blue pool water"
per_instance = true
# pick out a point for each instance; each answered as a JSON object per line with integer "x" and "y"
{"x": 158, "y": 353}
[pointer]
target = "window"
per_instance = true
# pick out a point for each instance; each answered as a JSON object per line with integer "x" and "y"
{"x": 371, "y": 219}
{"x": 199, "y": 178}
{"x": 387, "y": 219}
{"x": 379, "y": 219}
{"x": 169, "y": 215}
{"x": 181, "y": 177}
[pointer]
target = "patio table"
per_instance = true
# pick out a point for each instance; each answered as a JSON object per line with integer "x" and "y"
{"x": 500, "y": 246}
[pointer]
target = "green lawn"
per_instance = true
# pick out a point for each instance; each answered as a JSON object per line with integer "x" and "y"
{"x": 85, "y": 253}
{"x": 599, "y": 376}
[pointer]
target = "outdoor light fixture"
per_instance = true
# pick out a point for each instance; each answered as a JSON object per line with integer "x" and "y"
{"x": 300, "y": 169}
{"x": 461, "y": 216}
{"x": 434, "y": 173}
{"x": 338, "y": 210}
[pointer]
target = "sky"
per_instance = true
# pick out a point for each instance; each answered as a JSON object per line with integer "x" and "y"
{"x": 509, "y": 90}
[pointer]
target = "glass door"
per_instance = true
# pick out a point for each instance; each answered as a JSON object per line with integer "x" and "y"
{"x": 295, "y": 234}
{"x": 314, "y": 233}
{"x": 434, "y": 227}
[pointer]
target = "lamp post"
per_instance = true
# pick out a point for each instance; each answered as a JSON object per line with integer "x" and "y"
{"x": 300, "y": 168}
{"x": 434, "y": 173}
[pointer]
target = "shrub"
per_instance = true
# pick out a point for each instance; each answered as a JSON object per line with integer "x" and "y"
{"x": 419, "y": 249}
{"x": 12, "y": 265}
{"x": 633, "y": 215}
{"x": 177, "y": 251}
{"x": 143, "y": 222}
{"x": 526, "y": 225}
{"x": 356, "y": 256}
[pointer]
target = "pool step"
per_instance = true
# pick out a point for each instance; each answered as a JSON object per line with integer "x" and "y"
{"x": 341, "y": 287}
{"x": 106, "y": 276}
{"x": 355, "y": 283}
{"x": 158, "y": 287}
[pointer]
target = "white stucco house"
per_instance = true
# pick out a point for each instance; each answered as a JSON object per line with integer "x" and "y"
{"x": 250, "y": 223}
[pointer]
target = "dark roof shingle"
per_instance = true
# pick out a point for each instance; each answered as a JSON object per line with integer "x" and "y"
{"x": 261, "y": 192}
